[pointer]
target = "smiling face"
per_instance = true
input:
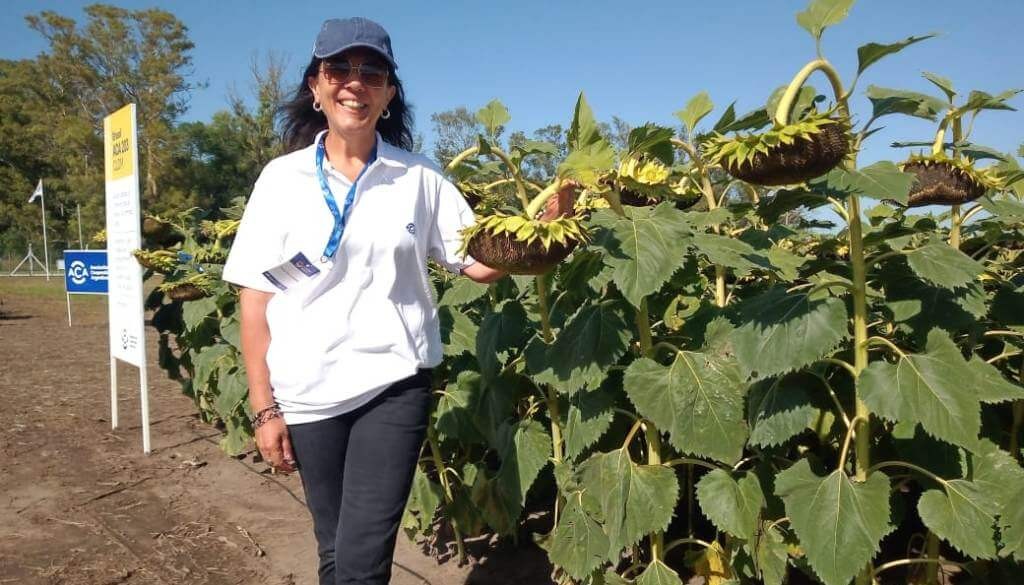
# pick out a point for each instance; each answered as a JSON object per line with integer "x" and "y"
{"x": 349, "y": 100}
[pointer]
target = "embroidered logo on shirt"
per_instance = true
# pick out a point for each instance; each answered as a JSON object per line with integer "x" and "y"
{"x": 411, "y": 228}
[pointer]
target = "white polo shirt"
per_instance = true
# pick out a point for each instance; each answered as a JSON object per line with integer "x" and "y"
{"x": 369, "y": 319}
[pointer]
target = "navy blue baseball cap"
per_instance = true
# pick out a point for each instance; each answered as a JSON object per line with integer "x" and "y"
{"x": 340, "y": 34}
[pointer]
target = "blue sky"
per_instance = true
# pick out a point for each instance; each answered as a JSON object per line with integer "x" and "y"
{"x": 640, "y": 61}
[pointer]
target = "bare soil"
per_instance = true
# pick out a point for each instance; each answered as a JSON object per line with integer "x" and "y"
{"x": 81, "y": 504}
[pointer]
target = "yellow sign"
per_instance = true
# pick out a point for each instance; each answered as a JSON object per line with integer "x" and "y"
{"x": 119, "y": 142}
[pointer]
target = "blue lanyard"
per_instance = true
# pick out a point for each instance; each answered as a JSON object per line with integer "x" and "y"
{"x": 340, "y": 217}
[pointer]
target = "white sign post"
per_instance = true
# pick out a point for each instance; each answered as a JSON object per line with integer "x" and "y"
{"x": 127, "y": 336}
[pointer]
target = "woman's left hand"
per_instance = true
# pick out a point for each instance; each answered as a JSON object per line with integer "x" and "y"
{"x": 561, "y": 203}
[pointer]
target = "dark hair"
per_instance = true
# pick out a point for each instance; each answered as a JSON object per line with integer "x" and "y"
{"x": 301, "y": 122}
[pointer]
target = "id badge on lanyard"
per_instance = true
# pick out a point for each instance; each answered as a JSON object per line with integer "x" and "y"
{"x": 340, "y": 215}
{"x": 293, "y": 274}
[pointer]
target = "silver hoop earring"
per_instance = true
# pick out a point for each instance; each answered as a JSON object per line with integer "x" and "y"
{"x": 385, "y": 114}
{"x": 317, "y": 107}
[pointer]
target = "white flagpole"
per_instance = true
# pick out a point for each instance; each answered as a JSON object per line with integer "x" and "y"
{"x": 81, "y": 246}
{"x": 46, "y": 248}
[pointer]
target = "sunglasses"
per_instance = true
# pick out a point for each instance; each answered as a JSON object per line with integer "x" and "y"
{"x": 339, "y": 72}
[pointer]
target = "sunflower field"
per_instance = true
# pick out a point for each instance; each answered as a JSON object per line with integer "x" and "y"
{"x": 744, "y": 357}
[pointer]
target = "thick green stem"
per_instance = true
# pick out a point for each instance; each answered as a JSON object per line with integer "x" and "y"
{"x": 654, "y": 458}
{"x": 971, "y": 212}
{"x": 720, "y": 291}
{"x": 782, "y": 112}
{"x": 435, "y": 453}
{"x": 862, "y": 445}
{"x": 554, "y": 412}
{"x": 534, "y": 206}
{"x": 512, "y": 169}
{"x": 1018, "y": 418}
{"x": 615, "y": 202}
{"x": 721, "y": 294}
{"x": 958, "y": 135}
{"x": 643, "y": 328}
{"x": 851, "y": 432}
{"x": 507, "y": 180}
{"x": 931, "y": 551}
{"x": 1015, "y": 427}
{"x": 939, "y": 144}
{"x": 461, "y": 157}
{"x": 956, "y": 219}
{"x": 862, "y": 441}
{"x": 689, "y": 500}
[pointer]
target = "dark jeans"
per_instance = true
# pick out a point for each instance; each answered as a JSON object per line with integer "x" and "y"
{"x": 357, "y": 470}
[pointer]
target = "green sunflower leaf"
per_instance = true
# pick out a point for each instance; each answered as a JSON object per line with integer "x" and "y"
{"x": 840, "y": 523}
{"x": 733, "y": 506}
{"x": 881, "y": 180}
{"x": 870, "y": 53}
{"x": 587, "y": 163}
{"x": 493, "y": 116}
{"x": 232, "y": 389}
{"x": 885, "y": 101}
{"x": 821, "y": 14}
{"x": 658, "y": 573}
{"x": 525, "y": 448}
{"x": 699, "y": 106}
{"x": 942, "y": 83}
{"x": 462, "y": 292}
{"x": 592, "y": 341}
{"x": 730, "y": 252}
{"x": 963, "y": 515}
{"x": 697, "y": 400}
{"x": 782, "y": 332}
{"x": 780, "y": 408}
{"x": 644, "y": 249}
{"x": 943, "y": 265}
{"x": 993, "y": 471}
{"x": 590, "y": 415}
{"x": 584, "y": 129}
{"x": 934, "y": 388}
{"x": 578, "y": 543}
{"x": 771, "y": 555}
{"x": 990, "y": 385}
{"x": 458, "y": 332}
{"x": 499, "y": 335}
{"x": 634, "y": 500}
{"x": 424, "y": 499}
{"x": 980, "y": 100}
{"x": 1011, "y": 524}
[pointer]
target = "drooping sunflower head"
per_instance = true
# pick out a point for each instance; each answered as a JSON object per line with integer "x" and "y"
{"x": 783, "y": 155}
{"x": 942, "y": 180}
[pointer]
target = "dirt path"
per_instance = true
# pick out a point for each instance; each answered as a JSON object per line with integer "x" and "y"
{"x": 80, "y": 504}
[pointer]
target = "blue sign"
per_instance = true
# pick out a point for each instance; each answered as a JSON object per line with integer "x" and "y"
{"x": 85, "y": 271}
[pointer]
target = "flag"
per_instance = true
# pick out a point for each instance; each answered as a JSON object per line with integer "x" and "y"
{"x": 37, "y": 193}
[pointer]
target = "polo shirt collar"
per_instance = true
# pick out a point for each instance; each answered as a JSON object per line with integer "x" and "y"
{"x": 387, "y": 153}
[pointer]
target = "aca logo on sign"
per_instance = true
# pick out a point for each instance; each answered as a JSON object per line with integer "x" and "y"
{"x": 78, "y": 272}
{"x": 87, "y": 271}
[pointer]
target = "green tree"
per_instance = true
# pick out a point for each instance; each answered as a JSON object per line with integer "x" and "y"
{"x": 455, "y": 130}
{"x": 220, "y": 160}
{"x": 541, "y": 169}
{"x": 120, "y": 56}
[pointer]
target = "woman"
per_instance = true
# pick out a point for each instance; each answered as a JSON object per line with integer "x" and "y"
{"x": 339, "y": 329}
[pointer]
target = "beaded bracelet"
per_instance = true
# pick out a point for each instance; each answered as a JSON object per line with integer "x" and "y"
{"x": 266, "y": 415}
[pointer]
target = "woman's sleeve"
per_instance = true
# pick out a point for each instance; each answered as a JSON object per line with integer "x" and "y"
{"x": 451, "y": 215}
{"x": 259, "y": 242}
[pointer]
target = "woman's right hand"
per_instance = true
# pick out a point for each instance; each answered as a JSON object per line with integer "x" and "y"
{"x": 275, "y": 446}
